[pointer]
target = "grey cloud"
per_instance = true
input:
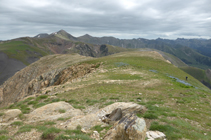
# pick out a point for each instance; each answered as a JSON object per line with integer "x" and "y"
{"x": 122, "y": 18}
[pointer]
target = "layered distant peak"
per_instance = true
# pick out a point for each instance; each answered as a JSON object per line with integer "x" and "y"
{"x": 86, "y": 35}
{"x": 64, "y": 35}
{"x": 63, "y": 32}
{"x": 42, "y": 35}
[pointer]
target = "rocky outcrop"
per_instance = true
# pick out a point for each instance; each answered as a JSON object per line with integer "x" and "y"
{"x": 115, "y": 115}
{"x": 10, "y": 114}
{"x": 59, "y": 76}
{"x": 85, "y": 50}
{"x": 53, "y": 111}
{"x": 96, "y": 118}
{"x": 104, "y": 50}
{"x": 130, "y": 127}
{"x": 32, "y": 79}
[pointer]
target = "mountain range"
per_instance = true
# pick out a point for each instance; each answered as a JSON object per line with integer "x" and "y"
{"x": 195, "y": 54}
{"x": 61, "y": 87}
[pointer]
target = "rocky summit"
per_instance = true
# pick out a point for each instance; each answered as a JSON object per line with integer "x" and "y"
{"x": 133, "y": 95}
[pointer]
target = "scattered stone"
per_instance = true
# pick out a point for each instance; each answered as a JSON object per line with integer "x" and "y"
{"x": 138, "y": 100}
{"x": 83, "y": 130}
{"x": 95, "y": 135}
{"x": 156, "y": 105}
{"x": 130, "y": 127}
{"x": 46, "y": 82}
{"x": 151, "y": 135}
{"x": 10, "y": 115}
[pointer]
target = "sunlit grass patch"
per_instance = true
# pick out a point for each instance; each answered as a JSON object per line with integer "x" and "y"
{"x": 26, "y": 128}
{"x": 17, "y": 123}
{"x": 49, "y": 123}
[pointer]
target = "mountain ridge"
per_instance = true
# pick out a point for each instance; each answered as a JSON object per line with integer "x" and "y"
{"x": 201, "y": 57}
{"x": 61, "y": 42}
{"x": 57, "y": 97}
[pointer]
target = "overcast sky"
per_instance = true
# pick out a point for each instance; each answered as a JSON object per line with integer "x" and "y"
{"x": 124, "y": 19}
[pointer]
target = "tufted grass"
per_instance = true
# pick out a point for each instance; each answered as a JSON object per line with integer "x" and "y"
{"x": 3, "y": 131}
{"x": 17, "y": 123}
{"x": 3, "y": 137}
{"x": 49, "y": 133}
{"x": 49, "y": 123}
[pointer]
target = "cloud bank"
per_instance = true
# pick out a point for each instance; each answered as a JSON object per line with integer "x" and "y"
{"x": 119, "y": 18}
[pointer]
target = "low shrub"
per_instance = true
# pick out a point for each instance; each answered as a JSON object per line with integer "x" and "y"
{"x": 49, "y": 133}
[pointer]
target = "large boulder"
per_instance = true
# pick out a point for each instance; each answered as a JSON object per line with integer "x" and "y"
{"x": 114, "y": 116}
{"x": 130, "y": 127}
{"x": 126, "y": 107}
{"x": 10, "y": 114}
{"x": 53, "y": 111}
{"x": 96, "y": 118}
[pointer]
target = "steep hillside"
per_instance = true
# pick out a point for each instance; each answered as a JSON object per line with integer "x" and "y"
{"x": 22, "y": 50}
{"x": 201, "y": 45}
{"x": 174, "y": 106}
{"x": 200, "y": 74}
{"x": 8, "y": 67}
{"x": 17, "y": 53}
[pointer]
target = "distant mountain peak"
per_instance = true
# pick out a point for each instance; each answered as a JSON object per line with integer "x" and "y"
{"x": 87, "y": 35}
{"x": 62, "y": 31}
{"x": 42, "y": 35}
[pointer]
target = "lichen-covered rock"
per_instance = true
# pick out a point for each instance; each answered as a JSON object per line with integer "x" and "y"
{"x": 10, "y": 115}
{"x": 115, "y": 115}
{"x": 95, "y": 118}
{"x": 130, "y": 127}
{"x": 52, "y": 112}
{"x": 126, "y": 108}
{"x": 151, "y": 135}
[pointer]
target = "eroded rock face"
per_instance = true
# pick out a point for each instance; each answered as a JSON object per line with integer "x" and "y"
{"x": 53, "y": 111}
{"x": 31, "y": 80}
{"x": 130, "y": 127}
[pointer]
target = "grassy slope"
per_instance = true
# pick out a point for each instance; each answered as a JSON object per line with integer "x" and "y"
{"x": 17, "y": 50}
{"x": 191, "y": 57}
{"x": 197, "y": 73}
{"x": 177, "y": 110}
{"x": 116, "y": 49}
{"x": 180, "y": 107}
{"x": 173, "y": 59}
